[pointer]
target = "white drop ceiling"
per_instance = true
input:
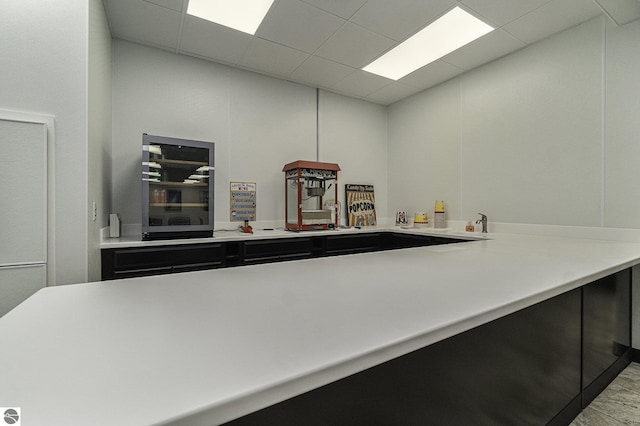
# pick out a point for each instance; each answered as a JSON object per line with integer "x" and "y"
{"x": 325, "y": 43}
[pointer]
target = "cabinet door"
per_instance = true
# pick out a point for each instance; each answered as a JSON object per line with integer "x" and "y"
{"x": 23, "y": 193}
{"x": 139, "y": 262}
{"x": 18, "y": 283}
{"x": 606, "y": 325}
{"x": 349, "y": 244}
{"x": 265, "y": 251}
{"x": 396, "y": 241}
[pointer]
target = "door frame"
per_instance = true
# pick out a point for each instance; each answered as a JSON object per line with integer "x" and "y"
{"x": 49, "y": 123}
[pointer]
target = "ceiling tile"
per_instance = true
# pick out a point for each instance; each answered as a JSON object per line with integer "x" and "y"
{"x": 432, "y": 74}
{"x": 621, "y": 11}
{"x": 298, "y": 25}
{"x": 343, "y": 8}
{"x": 551, "y": 18}
{"x": 210, "y": 40}
{"x": 499, "y": 13}
{"x": 169, "y": 4}
{"x": 393, "y": 93}
{"x": 485, "y": 49}
{"x": 320, "y": 72}
{"x": 355, "y": 46}
{"x": 272, "y": 58}
{"x": 399, "y": 21}
{"x": 144, "y": 22}
{"x": 342, "y": 36}
{"x": 362, "y": 83}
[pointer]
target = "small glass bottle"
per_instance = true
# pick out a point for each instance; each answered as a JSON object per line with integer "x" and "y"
{"x": 470, "y": 227}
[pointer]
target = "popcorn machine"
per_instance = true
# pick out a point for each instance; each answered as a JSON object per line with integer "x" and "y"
{"x": 311, "y": 194}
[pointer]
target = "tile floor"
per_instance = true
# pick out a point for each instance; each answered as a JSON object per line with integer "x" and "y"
{"x": 618, "y": 404}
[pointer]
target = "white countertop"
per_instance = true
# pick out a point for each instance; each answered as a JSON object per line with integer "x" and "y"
{"x": 205, "y": 347}
{"x": 234, "y": 235}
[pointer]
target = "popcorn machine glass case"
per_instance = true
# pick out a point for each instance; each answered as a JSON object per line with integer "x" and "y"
{"x": 177, "y": 188}
{"x": 311, "y": 194}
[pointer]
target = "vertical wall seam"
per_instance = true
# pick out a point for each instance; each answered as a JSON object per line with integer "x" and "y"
{"x": 88, "y": 227}
{"x": 460, "y": 81}
{"x": 317, "y": 124}
{"x": 603, "y": 118}
{"x": 229, "y": 145}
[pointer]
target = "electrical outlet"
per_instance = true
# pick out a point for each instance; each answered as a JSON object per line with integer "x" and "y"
{"x": 95, "y": 211}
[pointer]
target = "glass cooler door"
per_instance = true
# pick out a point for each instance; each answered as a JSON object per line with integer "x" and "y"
{"x": 177, "y": 194}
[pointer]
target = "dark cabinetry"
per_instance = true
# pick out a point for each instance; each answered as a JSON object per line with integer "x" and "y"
{"x": 350, "y": 244}
{"x": 266, "y": 251}
{"x": 537, "y": 366}
{"x": 396, "y": 240}
{"x": 136, "y": 262}
{"x": 511, "y": 371}
{"x": 606, "y": 331}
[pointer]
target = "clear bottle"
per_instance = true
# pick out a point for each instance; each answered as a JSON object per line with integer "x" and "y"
{"x": 470, "y": 227}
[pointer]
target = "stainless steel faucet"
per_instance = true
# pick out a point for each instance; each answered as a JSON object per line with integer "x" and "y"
{"x": 483, "y": 220}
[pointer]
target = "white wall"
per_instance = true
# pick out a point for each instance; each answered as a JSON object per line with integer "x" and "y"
{"x": 547, "y": 135}
{"x": 44, "y": 70}
{"x": 622, "y": 126}
{"x": 271, "y": 123}
{"x": 519, "y": 139}
{"x": 424, "y": 151}
{"x": 258, "y": 124}
{"x": 99, "y": 130}
{"x": 353, "y": 133}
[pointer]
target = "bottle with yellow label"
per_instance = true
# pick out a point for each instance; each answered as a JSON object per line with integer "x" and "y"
{"x": 438, "y": 216}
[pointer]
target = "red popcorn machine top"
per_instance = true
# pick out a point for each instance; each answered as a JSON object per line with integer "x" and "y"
{"x": 311, "y": 194}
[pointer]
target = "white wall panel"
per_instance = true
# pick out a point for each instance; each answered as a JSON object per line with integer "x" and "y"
{"x": 622, "y": 131}
{"x": 531, "y": 133}
{"x": 424, "y": 151}
{"x": 17, "y": 284}
{"x": 519, "y": 139}
{"x": 23, "y": 194}
{"x": 353, "y": 133}
{"x": 271, "y": 123}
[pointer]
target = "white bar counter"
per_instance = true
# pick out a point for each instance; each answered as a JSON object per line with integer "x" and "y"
{"x": 202, "y": 348}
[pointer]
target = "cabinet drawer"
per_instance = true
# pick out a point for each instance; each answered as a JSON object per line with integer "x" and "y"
{"x": 277, "y": 250}
{"x": 133, "y": 273}
{"x": 138, "y": 262}
{"x": 347, "y": 244}
{"x": 154, "y": 257}
{"x": 397, "y": 241}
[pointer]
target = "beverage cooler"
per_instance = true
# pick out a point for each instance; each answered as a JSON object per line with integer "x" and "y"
{"x": 177, "y": 188}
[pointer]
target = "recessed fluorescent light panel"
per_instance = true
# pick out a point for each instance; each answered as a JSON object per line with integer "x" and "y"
{"x": 241, "y": 15}
{"x": 446, "y": 34}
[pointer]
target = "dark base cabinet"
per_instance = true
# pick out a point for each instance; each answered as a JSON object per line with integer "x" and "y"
{"x": 136, "y": 262}
{"x": 606, "y": 329}
{"x": 533, "y": 367}
{"x": 268, "y": 251}
{"x": 351, "y": 244}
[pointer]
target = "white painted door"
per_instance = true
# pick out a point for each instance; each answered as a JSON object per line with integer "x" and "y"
{"x": 23, "y": 211}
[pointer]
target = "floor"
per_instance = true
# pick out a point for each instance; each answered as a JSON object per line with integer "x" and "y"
{"x": 618, "y": 404}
